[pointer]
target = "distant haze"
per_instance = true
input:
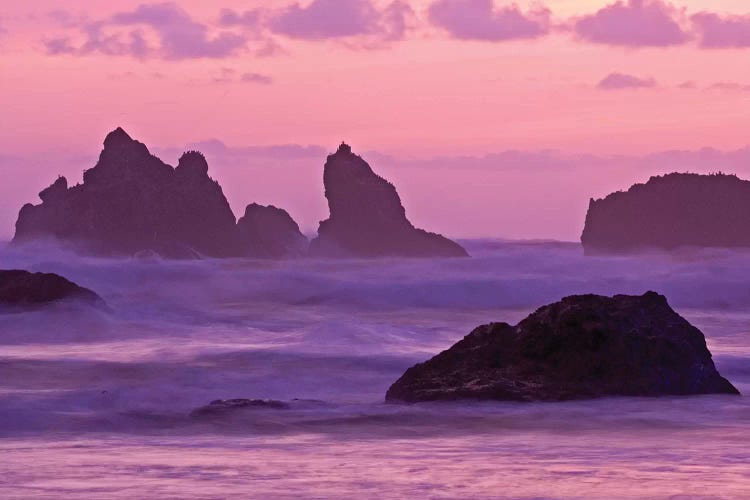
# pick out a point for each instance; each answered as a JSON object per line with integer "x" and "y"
{"x": 512, "y": 194}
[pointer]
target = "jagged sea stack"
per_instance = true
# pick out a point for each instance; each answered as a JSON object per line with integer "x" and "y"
{"x": 367, "y": 218}
{"x": 270, "y": 232}
{"x": 131, "y": 201}
{"x": 584, "y": 346}
{"x": 671, "y": 211}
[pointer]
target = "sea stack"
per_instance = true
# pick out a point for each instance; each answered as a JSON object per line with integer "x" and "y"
{"x": 130, "y": 202}
{"x": 367, "y": 218}
{"x": 269, "y": 232}
{"x": 584, "y": 346}
{"x": 671, "y": 211}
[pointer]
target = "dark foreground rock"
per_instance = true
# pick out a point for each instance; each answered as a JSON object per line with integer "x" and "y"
{"x": 269, "y": 232}
{"x": 23, "y": 289}
{"x": 133, "y": 203}
{"x": 584, "y": 346}
{"x": 671, "y": 211}
{"x": 367, "y": 218}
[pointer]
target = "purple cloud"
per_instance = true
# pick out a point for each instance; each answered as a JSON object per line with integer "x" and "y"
{"x": 330, "y": 19}
{"x": 633, "y": 23}
{"x": 621, "y": 81}
{"x": 718, "y": 32}
{"x": 479, "y": 20}
{"x": 179, "y": 36}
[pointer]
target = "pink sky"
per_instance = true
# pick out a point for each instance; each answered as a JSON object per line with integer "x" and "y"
{"x": 416, "y": 80}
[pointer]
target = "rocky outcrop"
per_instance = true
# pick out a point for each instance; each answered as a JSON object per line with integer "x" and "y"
{"x": 367, "y": 218}
{"x": 133, "y": 203}
{"x": 23, "y": 289}
{"x": 671, "y": 211}
{"x": 269, "y": 232}
{"x": 584, "y": 346}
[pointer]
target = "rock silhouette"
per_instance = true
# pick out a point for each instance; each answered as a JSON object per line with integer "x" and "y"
{"x": 22, "y": 289}
{"x": 367, "y": 218}
{"x": 132, "y": 202}
{"x": 584, "y": 346}
{"x": 671, "y": 211}
{"x": 269, "y": 232}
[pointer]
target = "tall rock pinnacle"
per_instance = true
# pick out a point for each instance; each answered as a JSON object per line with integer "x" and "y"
{"x": 367, "y": 218}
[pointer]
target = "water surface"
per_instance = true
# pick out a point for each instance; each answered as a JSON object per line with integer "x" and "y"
{"x": 97, "y": 403}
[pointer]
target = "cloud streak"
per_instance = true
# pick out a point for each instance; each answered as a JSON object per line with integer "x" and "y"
{"x": 730, "y": 87}
{"x": 622, "y": 81}
{"x": 229, "y": 75}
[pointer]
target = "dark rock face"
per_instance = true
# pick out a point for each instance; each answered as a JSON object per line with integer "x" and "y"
{"x": 131, "y": 201}
{"x": 23, "y": 289}
{"x": 671, "y": 211}
{"x": 367, "y": 218}
{"x": 269, "y": 232}
{"x": 584, "y": 346}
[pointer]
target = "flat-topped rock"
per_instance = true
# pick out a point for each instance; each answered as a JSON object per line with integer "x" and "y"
{"x": 671, "y": 211}
{"x": 367, "y": 218}
{"x": 584, "y": 346}
{"x": 22, "y": 289}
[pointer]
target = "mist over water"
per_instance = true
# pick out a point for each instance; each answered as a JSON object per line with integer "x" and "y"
{"x": 97, "y": 402}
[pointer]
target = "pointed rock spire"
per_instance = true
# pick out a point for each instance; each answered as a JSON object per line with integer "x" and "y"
{"x": 367, "y": 218}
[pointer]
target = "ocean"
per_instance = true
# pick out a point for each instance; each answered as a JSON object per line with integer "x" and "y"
{"x": 96, "y": 403}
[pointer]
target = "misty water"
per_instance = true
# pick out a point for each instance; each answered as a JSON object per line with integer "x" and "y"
{"x": 97, "y": 402}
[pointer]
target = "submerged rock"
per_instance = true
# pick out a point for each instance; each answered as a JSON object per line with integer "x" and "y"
{"x": 269, "y": 232}
{"x": 229, "y": 407}
{"x": 224, "y": 406}
{"x": 671, "y": 211}
{"x": 22, "y": 289}
{"x": 131, "y": 202}
{"x": 367, "y": 218}
{"x": 584, "y": 346}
